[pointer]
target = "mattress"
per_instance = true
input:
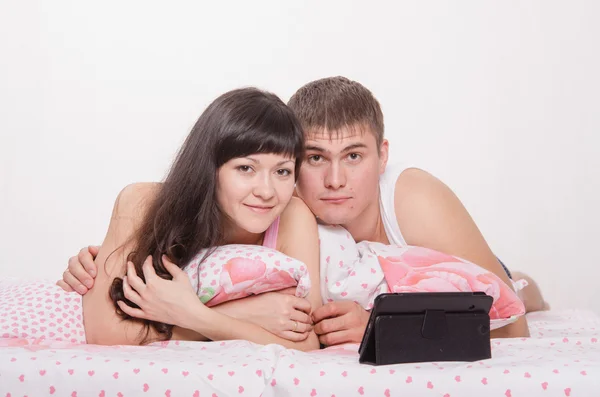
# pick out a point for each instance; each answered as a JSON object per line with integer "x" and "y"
{"x": 562, "y": 358}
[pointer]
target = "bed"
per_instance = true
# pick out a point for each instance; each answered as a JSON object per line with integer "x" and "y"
{"x": 562, "y": 358}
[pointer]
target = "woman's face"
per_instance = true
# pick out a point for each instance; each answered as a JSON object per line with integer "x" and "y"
{"x": 254, "y": 190}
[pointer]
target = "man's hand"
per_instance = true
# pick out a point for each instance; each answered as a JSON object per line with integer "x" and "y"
{"x": 81, "y": 271}
{"x": 340, "y": 322}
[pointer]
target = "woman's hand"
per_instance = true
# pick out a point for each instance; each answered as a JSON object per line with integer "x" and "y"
{"x": 281, "y": 313}
{"x": 166, "y": 301}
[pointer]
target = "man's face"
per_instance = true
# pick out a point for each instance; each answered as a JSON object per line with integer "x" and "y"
{"x": 339, "y": 177}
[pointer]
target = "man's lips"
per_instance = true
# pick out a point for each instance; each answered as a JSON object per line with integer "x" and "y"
{"x": 336, "y": 200}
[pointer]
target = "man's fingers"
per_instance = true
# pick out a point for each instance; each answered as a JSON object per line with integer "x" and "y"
{"x": 74, "y": 282}
{"x": 332, "y": 309}
{"x": 301, "y": 304}
{"x": 294, "y": 336}
{"x": 329, "y": 325}
{"x": 94, "y": 250}
{"x": 86, "y": 259}
{"x": 64, "y": 286}
{"x": 335, "y": 338}
{"x": 78, "y": 271}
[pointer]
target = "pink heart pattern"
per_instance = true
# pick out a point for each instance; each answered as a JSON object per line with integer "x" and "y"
{"x": 236, "y": 271}
{"x": 519, "y": 366}
{"x": 27, "y": 318}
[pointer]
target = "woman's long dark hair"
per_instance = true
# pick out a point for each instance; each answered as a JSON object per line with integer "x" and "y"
{"x": 184, "y": 218}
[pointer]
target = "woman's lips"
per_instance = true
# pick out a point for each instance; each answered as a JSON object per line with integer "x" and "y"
{"x": 261, "y": 209}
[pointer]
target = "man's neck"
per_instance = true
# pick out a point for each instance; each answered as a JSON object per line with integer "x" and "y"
{"x": 368, "y": 226}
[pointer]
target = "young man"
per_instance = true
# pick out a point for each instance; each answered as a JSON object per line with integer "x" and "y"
{"x": 345, "y": 180}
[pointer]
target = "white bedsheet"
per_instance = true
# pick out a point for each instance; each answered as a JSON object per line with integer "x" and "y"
{"x": 562, "y": 358}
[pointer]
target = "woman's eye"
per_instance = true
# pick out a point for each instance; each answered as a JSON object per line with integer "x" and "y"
{"x": 244, "y": 168}
{"x": 284, "y": 172}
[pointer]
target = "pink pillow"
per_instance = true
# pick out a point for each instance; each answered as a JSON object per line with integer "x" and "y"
{"x": 360, "y": 272}
{"x": 237, "y": 271}
{"x": 417, "y": 269}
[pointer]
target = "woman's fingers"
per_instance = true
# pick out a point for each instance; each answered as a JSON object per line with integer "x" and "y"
{"x": 134, "y": 280}
{"x": 298, "y": 327}
{"x": 133, "y": 312}
{"x": 294, "y": 336}
{"x": 172, "y": 268}
{"x": 301, "y": 317}
{"x": 301, "y": 304}
{"x": 130, "y": 293}
{"x": 148, "y": 270}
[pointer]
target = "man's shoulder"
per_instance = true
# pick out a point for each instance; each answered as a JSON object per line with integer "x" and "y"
{"x": 421, "y": 199}
{"x": 416, "y": 189}
{"x": 414, "y": 178}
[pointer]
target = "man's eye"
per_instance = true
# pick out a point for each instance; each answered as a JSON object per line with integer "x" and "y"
{"x": 354, "y": 156}
{"x": 315, "y": 158}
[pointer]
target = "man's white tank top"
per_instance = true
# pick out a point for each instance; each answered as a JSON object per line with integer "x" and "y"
{"x": 387, "y": 187}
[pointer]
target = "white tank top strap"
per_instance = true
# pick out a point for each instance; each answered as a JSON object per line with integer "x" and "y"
{"x": 387, "y": 188}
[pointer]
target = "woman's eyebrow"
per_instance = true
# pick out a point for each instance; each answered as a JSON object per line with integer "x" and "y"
{"x": 257, "y": 161}
{"x": 284, "y": 161}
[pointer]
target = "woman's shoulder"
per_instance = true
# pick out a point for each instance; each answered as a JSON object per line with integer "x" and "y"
{"x": 135, "y": 197}
{"x": 295, "y": 219}
{"x": 298, "y": 235}
{"x": 295, "y": 211}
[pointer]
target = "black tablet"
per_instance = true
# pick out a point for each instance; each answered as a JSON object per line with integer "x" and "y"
{"x": 409, "y": 307}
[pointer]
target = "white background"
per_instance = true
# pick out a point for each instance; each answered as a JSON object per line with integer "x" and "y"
{"x": 501, "y": 100}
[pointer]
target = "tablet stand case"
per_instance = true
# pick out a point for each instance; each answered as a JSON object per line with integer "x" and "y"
{"x": 434, "y": 335}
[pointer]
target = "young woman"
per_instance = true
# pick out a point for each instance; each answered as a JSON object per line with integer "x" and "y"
{"x": 231, "y": 183}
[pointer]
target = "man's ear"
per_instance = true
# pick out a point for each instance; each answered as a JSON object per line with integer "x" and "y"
{"x": 384, "y": 151}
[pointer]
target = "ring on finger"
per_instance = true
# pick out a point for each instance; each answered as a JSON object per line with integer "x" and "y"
{"x": 295, "y": 326}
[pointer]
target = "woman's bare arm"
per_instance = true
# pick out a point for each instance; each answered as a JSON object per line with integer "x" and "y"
{"x": 102, "y": 324}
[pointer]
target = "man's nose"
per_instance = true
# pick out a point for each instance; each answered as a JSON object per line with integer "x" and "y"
{"x": 335, "y": 177}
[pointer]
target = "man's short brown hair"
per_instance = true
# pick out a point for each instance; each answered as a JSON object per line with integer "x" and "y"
{"x": 334, "y": 103}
